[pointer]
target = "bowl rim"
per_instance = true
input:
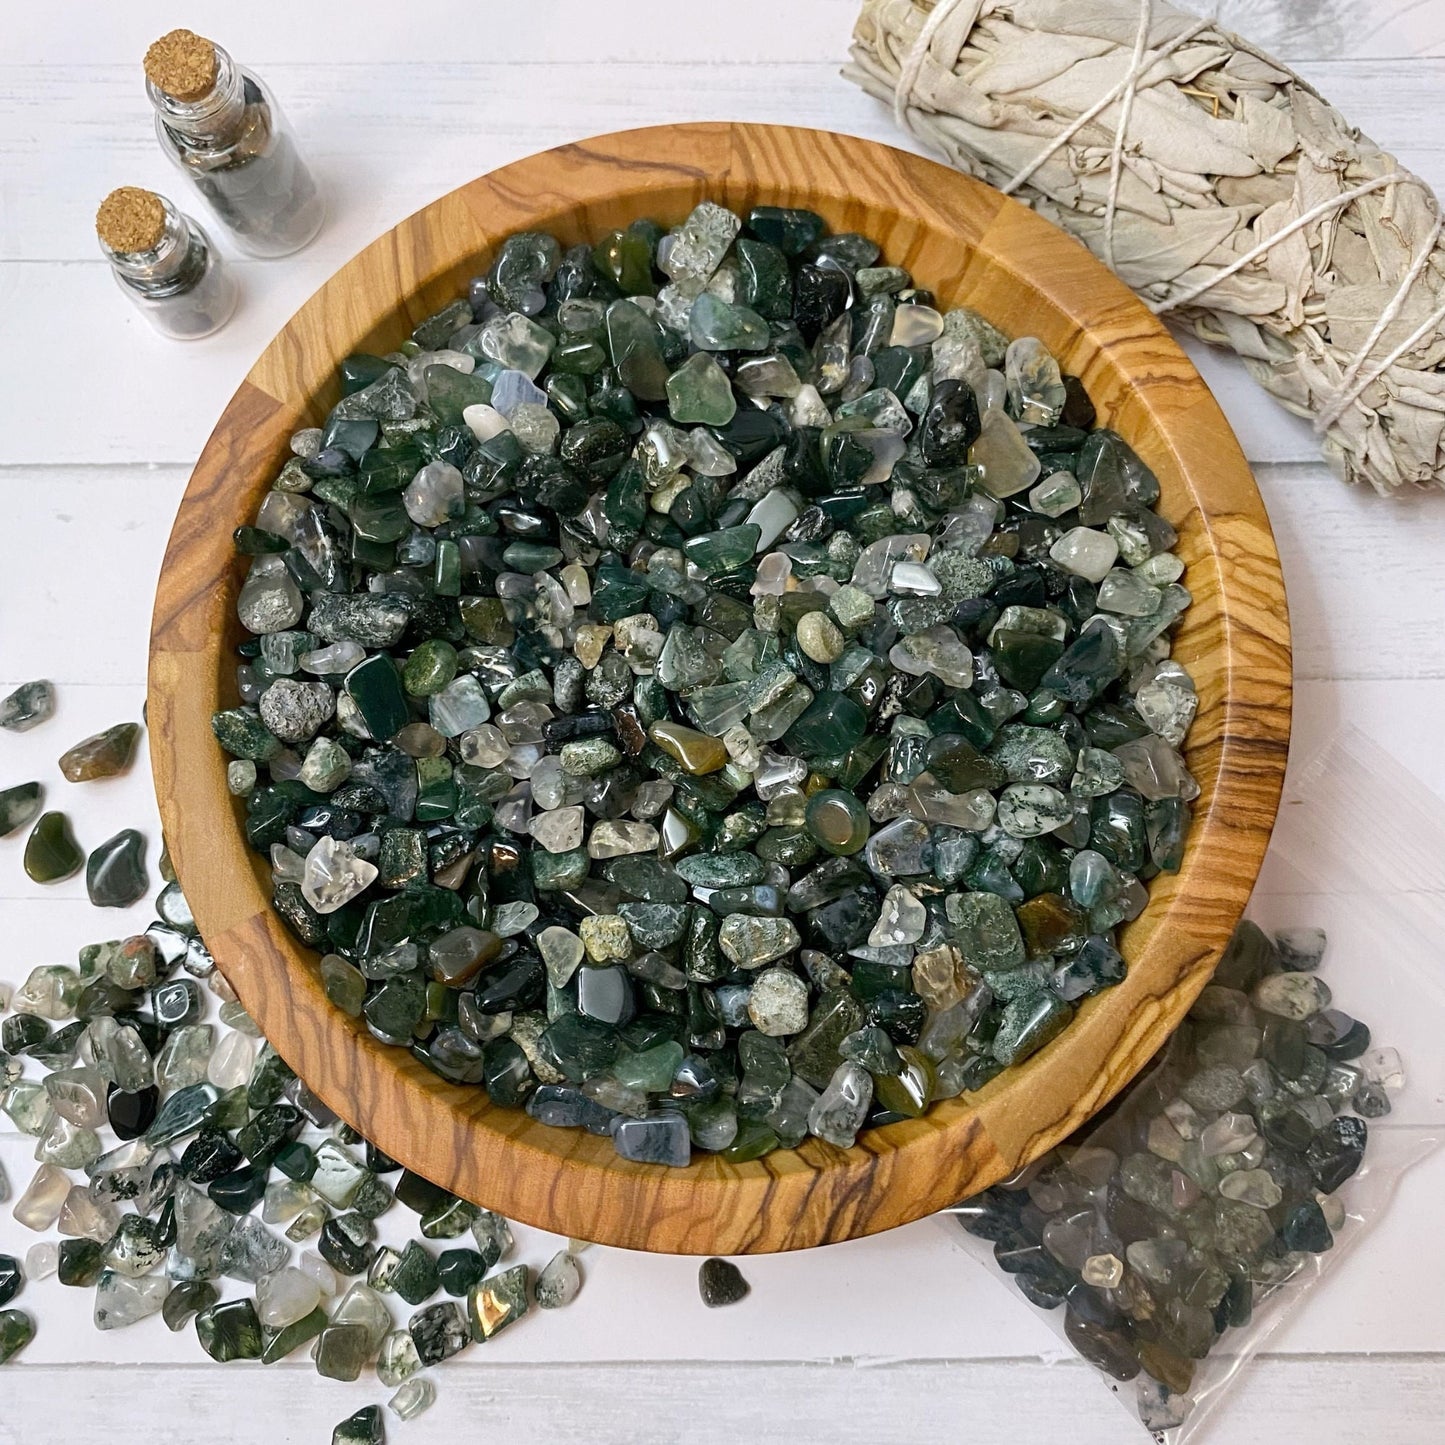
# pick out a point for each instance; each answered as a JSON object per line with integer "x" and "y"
{"x": 1235, "y": 641}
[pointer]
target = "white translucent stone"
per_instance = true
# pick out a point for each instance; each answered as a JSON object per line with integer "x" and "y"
{"x": 1003, "y": 454}
{"x": 559, "y": 1282}
{"x": 1085, "y": 552}
{"x": 233, "y": 1061}
{"x": 1383, "y": 1067}
{"x": 774, "y": 514}
{"x": 40, "y": 1205}
{"x": 901, "y": 919}
{"x": 509, "y": 919}
{"x": 809, "y": 408}
{"x": 334, "y": 875}
{"x": 1059, "y": 492}
{"x": 460, "y": 707}
{"x": 841, "y": 1108}
{"x": 517, "y": 342}
{"x": 1035, "y": 388}
{"x": 915, "y": 325}
{"x": 338, "y": 1175}
{"x": 561, "y": 951}
{"x": 483, "y": 747}
{"x": 778, "y": 1003}
{"x": 121, "y": 1300}
{"x": 361, "y": 1305}
{"x": 333, "y": 660}
{"x": 312, "y": 1264}
{"x": 616, "y": 839}
{"x": 435, "y": 495}
{"x": 913, "y": 579}
{"x": 42, "y": 1260}
{"x": 535, "y": 427}
{"x": 413, "y": 1398}
{"x": 937, "y": 650}
{"x": 82, "y": 1217}
{"x": 559, "y": 831}
{"x": 285, "y": 1297}
{"x": 874, "y": 568}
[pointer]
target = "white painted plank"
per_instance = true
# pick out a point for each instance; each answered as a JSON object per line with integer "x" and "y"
{"x": 273, "y": 32}
{"x": 1284, "y": 1401}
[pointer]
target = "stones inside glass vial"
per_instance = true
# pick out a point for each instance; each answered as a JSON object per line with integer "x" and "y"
{"x": 223, "y": 129}
{"x": 165, "y": 263}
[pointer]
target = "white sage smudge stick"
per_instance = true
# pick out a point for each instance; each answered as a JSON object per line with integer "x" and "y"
{"x": 1214, "y": 181}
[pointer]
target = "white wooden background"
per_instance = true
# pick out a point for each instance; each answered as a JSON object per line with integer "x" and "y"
{"x": 889, "y": 1339}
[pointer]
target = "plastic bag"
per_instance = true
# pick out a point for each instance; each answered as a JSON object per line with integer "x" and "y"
{"x": 1172, "y": 1237}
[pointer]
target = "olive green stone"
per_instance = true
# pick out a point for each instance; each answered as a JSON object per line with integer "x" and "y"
{"x": 115, "y": 875}
{"x": 17, "y": 1329}
{"x": 51, "y": 852}
{"x": 816, "y": 1053}
{"x": 18, "y": 805}
{"x": 429, "y": 669}
{"x": 187, "y": 1299}
{"x": 81, "y": 1262}
{"x": 102, "y": 756}
{"x": 341, "y": 1351}
{"x": 698, "y": 753}
{"x": 377, "y": 691}
{"x": 498, "y": 1302}
{"x": 286, "y": 1341}
{"x": 230, "y": 1331}
{"x": 634, "y": 342}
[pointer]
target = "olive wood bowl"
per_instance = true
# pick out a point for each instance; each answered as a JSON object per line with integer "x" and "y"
{"x": 973, "y": 246}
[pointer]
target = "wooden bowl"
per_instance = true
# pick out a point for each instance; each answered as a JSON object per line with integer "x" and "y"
{"x": 974, "y": 247}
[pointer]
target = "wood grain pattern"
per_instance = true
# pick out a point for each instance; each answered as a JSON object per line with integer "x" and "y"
{"x": 973, "y": 247}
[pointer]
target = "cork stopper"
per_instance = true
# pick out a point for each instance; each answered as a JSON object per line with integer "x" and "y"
{"x": 182, "y": 65}
{"x": 131, "y": 220}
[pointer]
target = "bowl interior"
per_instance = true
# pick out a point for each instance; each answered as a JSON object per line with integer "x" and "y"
{"x": 973, "y": 247}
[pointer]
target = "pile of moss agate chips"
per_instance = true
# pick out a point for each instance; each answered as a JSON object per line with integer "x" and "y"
{"x": 704, "y": 693}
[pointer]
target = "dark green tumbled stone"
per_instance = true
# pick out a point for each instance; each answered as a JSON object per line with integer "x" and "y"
{"x": 115, "y": 874}
{"x": 11, "y": 1278}
{"x": 790, "y": 228}
{"x": 375, "y": 688}
{"x": 230, "y": 1331}
{"x": 239, "y": 1191}
{"x": 416, "y": 1277}
{"x": 832, "y": 723}
{"x": 365, "y": 1427}
{"x": 1028, "y": 1023}
{"x": 459, "y": 1269}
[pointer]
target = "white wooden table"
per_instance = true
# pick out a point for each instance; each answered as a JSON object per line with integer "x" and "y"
{"x": 888, "y": 1339}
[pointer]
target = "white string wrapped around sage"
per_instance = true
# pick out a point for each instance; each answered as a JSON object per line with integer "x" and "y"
{"x": 1214, "y": 181}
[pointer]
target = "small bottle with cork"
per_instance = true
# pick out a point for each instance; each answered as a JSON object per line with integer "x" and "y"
{"x": 223, "y": 129}
{"x": 165, "y": 263}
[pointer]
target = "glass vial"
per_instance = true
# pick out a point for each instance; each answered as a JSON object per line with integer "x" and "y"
{"x": 165, "y": 263}
{"x": 222, "y": 127}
